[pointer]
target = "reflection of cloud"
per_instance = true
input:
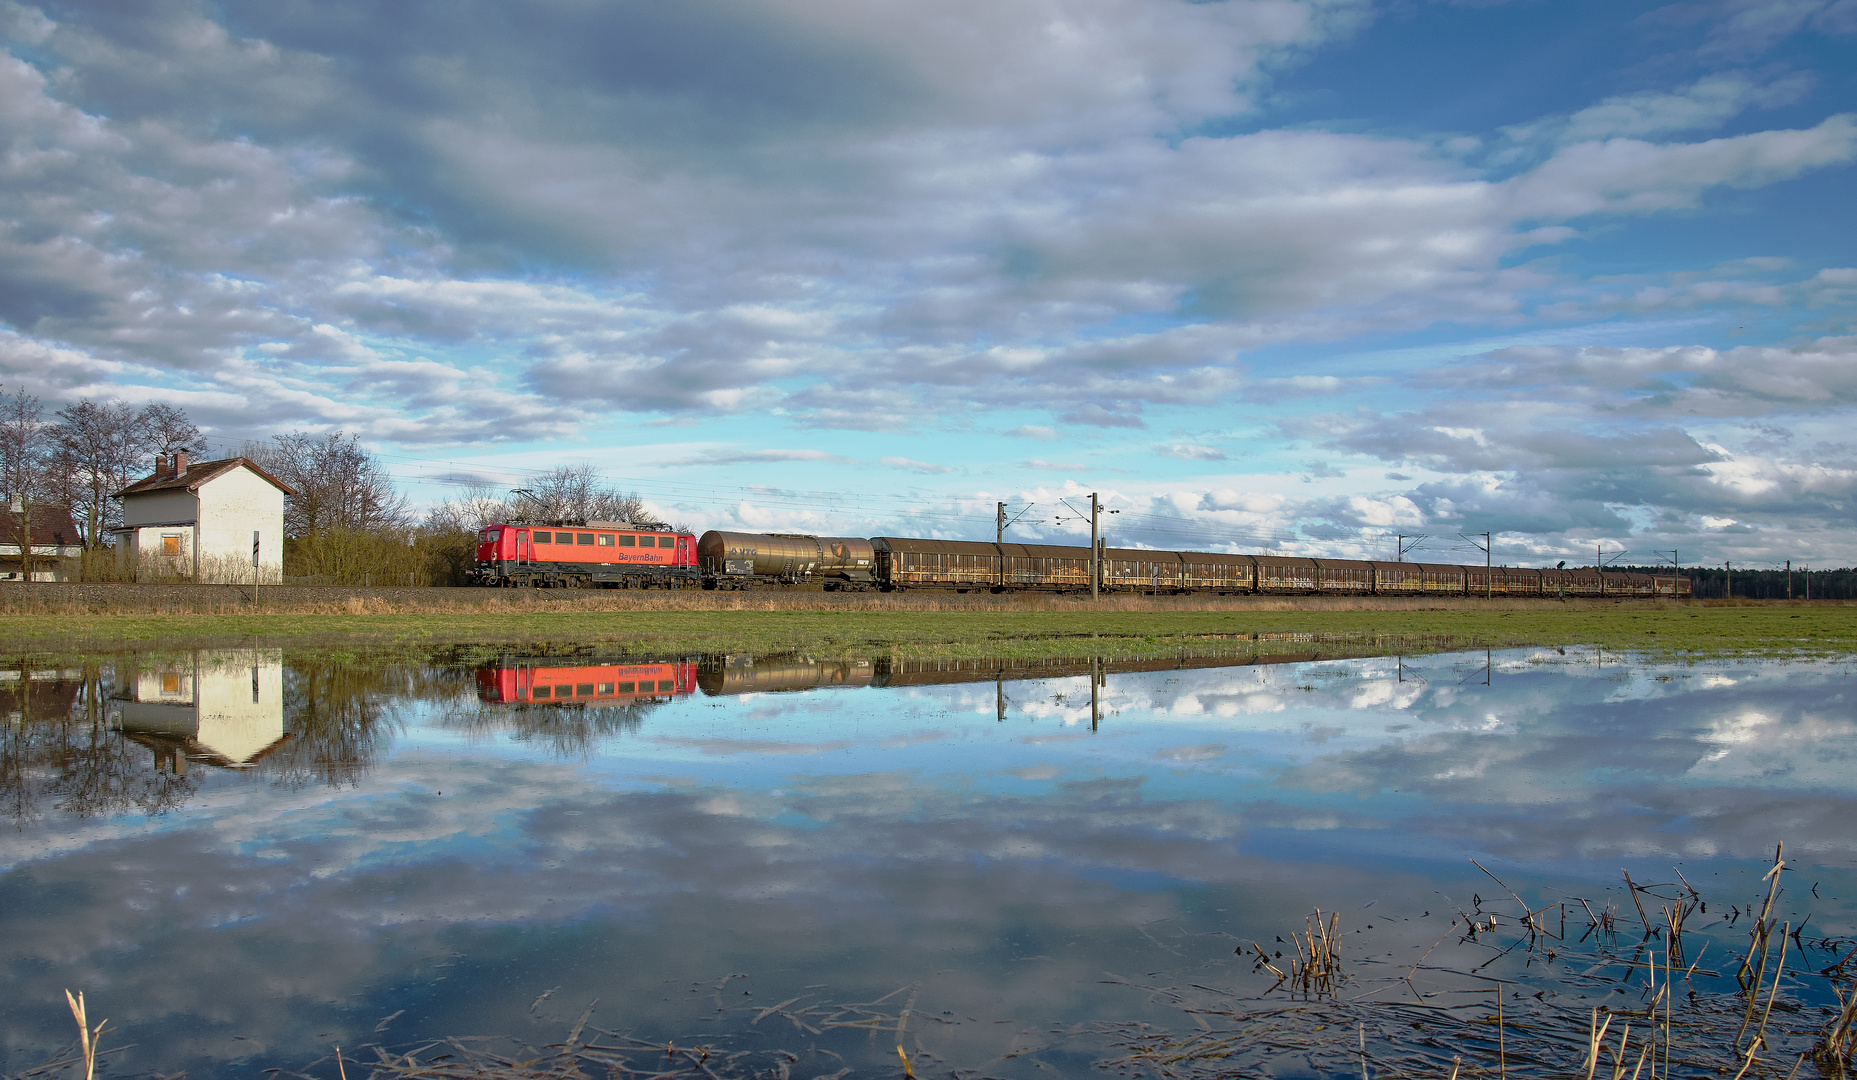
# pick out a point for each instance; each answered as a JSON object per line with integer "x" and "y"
{"x": 752, "y": 746}
{"x": 612, "y": 876}
{"x": 1207, "y": 752}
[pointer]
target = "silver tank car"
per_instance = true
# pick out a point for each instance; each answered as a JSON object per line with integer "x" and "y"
{"x": 734, "y": 560}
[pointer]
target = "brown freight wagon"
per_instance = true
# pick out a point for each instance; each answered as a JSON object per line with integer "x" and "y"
{"x": 1502, "y": 581}
{"x": 1219, "y": 573}
{"x": 1418, "y": 579}
{"x": 1276, "y": 573}
{"x": 1139, "y": 570}
{"x": 1343, "y": 576}
{"x": 1044, "y": 566}
{"x": 908, "y": 563}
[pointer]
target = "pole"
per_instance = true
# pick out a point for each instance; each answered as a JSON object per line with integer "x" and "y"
{"x": 1487, "y": 568}
{"x": 1096, "y": 709}
{"x": 1095, "y": 566}
{"x": 999, "y": 524}
{"x": 1728, "y": 580}
{"x": 1789, "y": 579}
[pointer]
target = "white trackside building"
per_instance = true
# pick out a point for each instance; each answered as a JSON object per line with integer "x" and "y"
{"x": 200, "y": 521}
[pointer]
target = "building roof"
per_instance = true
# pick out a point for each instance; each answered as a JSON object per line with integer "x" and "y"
{"x": 51, "y": 525}
{"x": 199, "y": 474}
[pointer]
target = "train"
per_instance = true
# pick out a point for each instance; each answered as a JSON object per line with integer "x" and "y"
{"x": 605, "y": 554}
{"x": 517, "y": 683}
{"x": 575, "y": 683}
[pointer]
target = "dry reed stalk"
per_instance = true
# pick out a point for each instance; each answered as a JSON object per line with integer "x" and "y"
{"x": 1263, "y": 959}
{"x": 1318, "y": 971}
{"x": 1502, "y": 1038}
{"x": 1840, "y": 1043}
{"x": 1762, "y": 929}
{"x": 1595, "y": 1039}
{"x": 1760, "y": 1037}
{"x": 87, "y": 1037}
{"x": 1532, "y": 919}
{"x": 1674, "y": 913}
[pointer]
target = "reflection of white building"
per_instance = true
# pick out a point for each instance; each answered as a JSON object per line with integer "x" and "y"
{"x": 222, "y": 708}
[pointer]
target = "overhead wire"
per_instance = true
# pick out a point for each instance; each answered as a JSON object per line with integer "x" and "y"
{"x": 869, "y": 504}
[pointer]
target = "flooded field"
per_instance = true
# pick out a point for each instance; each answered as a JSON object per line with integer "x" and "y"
{"x": 721, "y": 867}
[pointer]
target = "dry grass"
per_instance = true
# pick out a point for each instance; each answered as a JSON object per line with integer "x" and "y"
{"x": 1433, "y": 1020}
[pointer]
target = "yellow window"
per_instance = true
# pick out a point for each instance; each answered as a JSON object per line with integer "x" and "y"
{"x": 170, "y": 545}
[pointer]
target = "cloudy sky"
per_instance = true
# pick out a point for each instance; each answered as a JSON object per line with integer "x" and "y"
{"x": 1297, "y": 272}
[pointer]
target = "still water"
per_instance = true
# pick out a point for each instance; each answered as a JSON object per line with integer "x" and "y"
{"x": 246, "y": 858}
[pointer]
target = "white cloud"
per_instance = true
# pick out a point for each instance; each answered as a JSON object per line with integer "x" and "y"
{"x": 1191, "y": 452}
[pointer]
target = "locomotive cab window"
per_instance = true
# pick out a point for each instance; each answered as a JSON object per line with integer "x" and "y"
{"x": 606, "y": 539}
{"x": 667, "y": 541}
{"x": 628, "y": 541}
{"x": 585, "y": 539}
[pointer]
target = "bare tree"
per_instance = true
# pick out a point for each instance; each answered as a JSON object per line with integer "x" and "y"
{"x": 339, "y": 484}
{"x": 98, "y": 446}
{"x": 165, "y": 429}
{"x": 478, "y": 505}
{"x": 579, "y": 492}
{"x": 26, "y": 469}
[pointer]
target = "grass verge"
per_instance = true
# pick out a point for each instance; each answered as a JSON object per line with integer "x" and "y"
{"x": 958, "y": 627}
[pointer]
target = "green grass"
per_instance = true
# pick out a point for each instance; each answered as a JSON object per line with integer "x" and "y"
{"x": 1000, "y": 630}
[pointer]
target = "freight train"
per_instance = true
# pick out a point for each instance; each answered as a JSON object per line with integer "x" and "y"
{"x": 621, "y": 555}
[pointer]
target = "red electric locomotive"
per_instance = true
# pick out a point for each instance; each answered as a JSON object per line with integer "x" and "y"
{"x": 603, "y": 554}
{"x": 601, "y": 684}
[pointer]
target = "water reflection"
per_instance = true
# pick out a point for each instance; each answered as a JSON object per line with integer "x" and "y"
{"x": 60, "y": 750}
{"x": 526, "y": 681}
{"x": 224, "y": 708}
{"x": 446, "y": 840}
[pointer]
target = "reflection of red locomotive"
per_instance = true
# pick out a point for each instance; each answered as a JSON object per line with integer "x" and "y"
{"x": 513, "y": 683}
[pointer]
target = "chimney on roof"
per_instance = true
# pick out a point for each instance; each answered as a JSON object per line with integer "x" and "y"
{"x": 161, "y": 466}
{"x": 180, "y": 463}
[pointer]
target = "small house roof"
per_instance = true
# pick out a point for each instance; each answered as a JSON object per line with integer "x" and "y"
{"x": 51, "y": 525}
{"x": 197, "y": 475}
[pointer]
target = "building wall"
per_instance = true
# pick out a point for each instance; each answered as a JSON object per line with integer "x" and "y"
{"x": 232, "y": 507}
{"x": 159, "y": 506}
{"x": 50, "y": 563}
{"x": 143, "y": 549}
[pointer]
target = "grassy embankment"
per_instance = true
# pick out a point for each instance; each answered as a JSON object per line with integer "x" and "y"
{"x": 943, "y": 626}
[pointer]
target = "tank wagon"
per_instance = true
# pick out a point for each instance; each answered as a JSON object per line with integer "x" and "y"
{"x": 585, "y": 554}
{"x": 740, "y": 560}
{"x": 734, "y": 560}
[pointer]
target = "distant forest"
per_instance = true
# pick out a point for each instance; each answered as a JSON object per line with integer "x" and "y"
{"x": 1712, "y": 583}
